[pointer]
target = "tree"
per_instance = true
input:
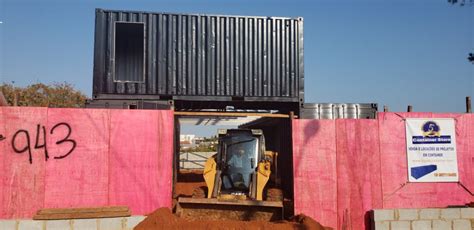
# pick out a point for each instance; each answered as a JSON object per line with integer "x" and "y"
{"x": 461, "y": 2}
{"x": 56, "y": 95}
{"x": 470, "y": 58}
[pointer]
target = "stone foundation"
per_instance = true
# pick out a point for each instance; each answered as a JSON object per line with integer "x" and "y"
{"x": 429, "y": 218}
{"x": 120, "y": 223}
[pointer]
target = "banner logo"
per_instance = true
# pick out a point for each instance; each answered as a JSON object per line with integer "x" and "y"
{"x": 430, "y": 129}
{"x": 431, "y": 135}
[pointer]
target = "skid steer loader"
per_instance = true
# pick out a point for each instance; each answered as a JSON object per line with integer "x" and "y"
{"x": 236, "y": 177}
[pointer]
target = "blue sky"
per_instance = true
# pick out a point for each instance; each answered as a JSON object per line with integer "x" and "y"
{"x": 392, "y": 53}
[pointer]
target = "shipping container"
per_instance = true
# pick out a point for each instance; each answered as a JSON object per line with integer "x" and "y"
{"x": 338, "y": 110}
{"x": 194, "y": 57}
{"x": 129, "y": 104}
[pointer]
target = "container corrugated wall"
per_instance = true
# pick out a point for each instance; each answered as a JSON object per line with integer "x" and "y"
{"x": 199, "y": 55}
{"x": 339, "y": 110}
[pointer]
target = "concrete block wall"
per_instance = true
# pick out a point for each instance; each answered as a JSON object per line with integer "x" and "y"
{"x": 119, "y": 223}
{"x": 423, "y": 219}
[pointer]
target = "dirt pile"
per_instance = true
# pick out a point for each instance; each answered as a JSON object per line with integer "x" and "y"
{"x": 164, "y": 219}
{"x": 189, "y": 182}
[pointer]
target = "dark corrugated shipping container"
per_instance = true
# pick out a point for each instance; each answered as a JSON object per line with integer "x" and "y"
{"x": 161, "y": 56}
{"x": 339, "y": 111}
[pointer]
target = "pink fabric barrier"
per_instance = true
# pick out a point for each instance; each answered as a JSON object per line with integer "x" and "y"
{"x": 314, "y": 165}
{"x": 358, "y": 174}
{"x": 345, "y": 168}
{"x": 84, "y": 158}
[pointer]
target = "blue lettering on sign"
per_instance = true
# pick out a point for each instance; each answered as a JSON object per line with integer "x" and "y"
{"x": 431, "y": 140}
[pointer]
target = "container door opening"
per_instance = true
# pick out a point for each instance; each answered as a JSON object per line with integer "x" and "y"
{"x": 199, "y": 137}
{"x": 129, "y": 52}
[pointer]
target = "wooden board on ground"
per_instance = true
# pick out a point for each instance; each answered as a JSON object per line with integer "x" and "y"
{"x": 81, "y": 213}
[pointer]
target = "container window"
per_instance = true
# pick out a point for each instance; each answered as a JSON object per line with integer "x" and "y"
{"x": 129, "y": 52}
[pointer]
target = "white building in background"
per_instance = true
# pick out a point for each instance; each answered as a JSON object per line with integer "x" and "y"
{"x": 198, "y": 140}
{"x": 187, "y": 138}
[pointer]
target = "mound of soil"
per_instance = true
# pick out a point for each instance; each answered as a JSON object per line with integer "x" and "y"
{"x": 163, "y": 218}
{"x": 189, "y": 183}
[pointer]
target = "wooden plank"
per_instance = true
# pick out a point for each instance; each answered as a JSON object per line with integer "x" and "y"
{"x": 226, "y": 114}
{"x": 82, "y": 210}
{"x": 468, "y": 105}
{"x": 82, "y": 213}
{"x": 85, "y": 215}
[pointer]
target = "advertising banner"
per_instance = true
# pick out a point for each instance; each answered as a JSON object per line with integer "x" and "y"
{"x": 431, "y": 150}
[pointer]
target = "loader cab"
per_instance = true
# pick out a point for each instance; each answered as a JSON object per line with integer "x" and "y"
{"x": 238, "y": 155}
{"x": 235, "y": 179}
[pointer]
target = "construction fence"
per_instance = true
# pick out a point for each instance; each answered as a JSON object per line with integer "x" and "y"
{"x": 345, "y": 168}
{"x": 65, "y": 158}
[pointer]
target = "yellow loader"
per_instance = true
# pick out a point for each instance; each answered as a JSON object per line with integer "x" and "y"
{"x": 236, "y": 178}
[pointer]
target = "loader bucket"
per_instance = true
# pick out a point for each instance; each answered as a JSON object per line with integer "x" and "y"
{"x": 213, "y": 209}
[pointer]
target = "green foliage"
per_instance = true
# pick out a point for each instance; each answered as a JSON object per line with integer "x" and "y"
{"x": 57, "y": 95}
{"x": 460, "y": 2}
{"x": 210, "y": 139}
{"x": 470, "y": 58}
{"x": 201, "y": 148}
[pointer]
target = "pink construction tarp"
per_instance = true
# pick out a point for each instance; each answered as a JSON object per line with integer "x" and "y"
{"x": 345, "y": 168}
{"x": 84, "y": 158}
